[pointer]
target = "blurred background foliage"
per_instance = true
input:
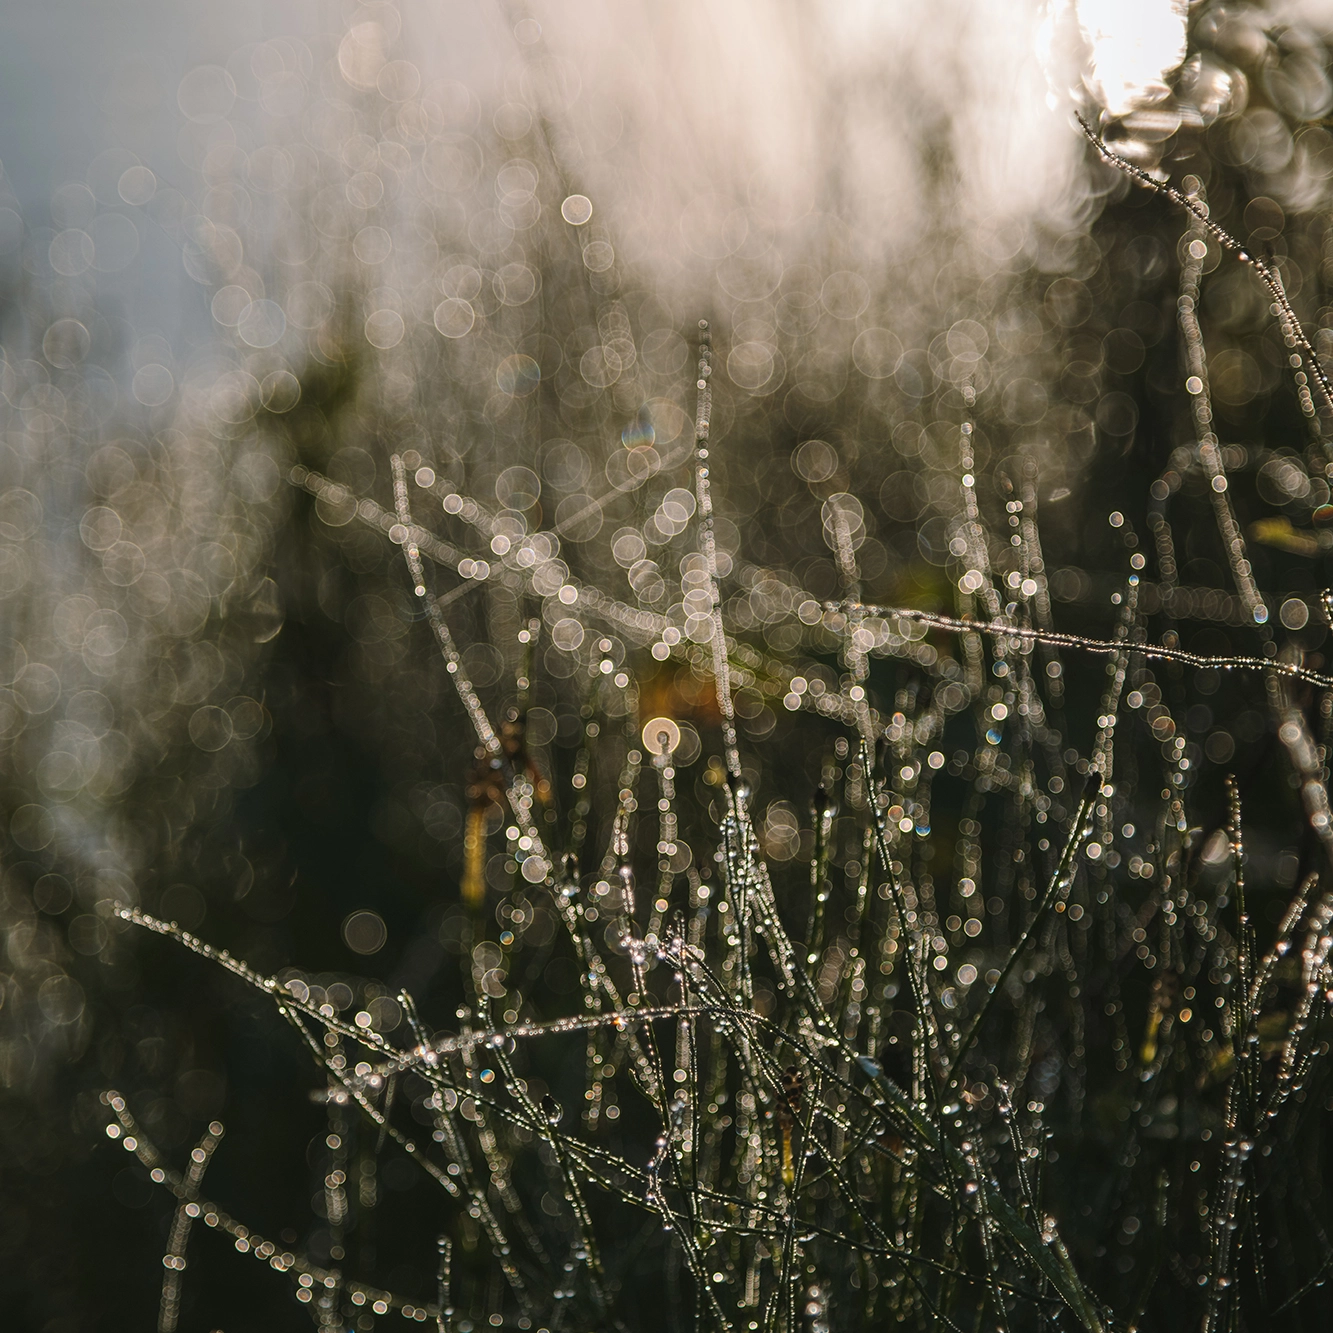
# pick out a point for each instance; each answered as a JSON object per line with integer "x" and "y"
{"x": 218, "y": 700}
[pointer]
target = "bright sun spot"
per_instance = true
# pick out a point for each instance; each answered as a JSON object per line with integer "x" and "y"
{"x": 1133, "y": 45}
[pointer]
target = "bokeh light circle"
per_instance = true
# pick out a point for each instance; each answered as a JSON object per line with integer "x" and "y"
{"x": 364, "y": 932}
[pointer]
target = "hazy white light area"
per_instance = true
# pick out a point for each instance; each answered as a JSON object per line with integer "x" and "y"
{"x": 861, "y": 121}
{"x": 852, "y": 126}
